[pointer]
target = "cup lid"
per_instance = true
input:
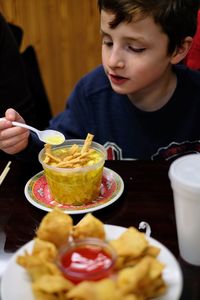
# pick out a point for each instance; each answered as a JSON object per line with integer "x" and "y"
{"x": 186, "y": 171}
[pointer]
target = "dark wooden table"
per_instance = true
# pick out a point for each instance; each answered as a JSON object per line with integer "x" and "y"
{"x": 147, "y": 197}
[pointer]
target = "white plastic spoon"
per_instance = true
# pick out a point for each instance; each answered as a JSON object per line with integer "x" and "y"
{"x": 48, "y": 136}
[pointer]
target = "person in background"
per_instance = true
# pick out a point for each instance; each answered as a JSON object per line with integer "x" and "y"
{"x": 14, "y": 89}
{"x": 192, "y": 59}
{"x": 140, "y": 103}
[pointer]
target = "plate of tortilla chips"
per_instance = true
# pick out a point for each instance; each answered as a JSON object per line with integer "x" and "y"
{"x": 144, "y": 269}
{"x": 38, "y": 194}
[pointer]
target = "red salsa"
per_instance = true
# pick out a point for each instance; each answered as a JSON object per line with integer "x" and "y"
{"x": 86, "y": 262}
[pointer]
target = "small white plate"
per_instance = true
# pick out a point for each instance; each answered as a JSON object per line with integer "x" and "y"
{"x": 16, "y": 283}
{"x": 38, "y": 194}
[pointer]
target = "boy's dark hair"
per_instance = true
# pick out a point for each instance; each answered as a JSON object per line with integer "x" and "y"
{"x": 177, "y": 18}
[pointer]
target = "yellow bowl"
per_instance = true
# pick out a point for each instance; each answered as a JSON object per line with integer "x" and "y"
{"x": 75, "y": 186}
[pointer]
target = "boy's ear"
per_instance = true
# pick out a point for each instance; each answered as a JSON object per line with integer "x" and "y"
{"x": 180, "y": 52}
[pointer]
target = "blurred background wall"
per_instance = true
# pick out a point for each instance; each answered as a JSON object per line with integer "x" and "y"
{"x": 65, "y": 36}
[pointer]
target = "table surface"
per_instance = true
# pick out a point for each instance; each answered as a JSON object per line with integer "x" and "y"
{"x": 147, "y": 197}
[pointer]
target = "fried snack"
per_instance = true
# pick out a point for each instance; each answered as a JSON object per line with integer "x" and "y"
{"x": 132, "y": 297}
{"x": 138, "y": 275}
{"x": 55, "y": 227}
{"x": 87, "y": 143}
{"x": 49, "y": 155}
{"x": 89, "y": 226}
{"x": 37, "y": 266}
{"x": 44, "y": 249}
{"x": 152, "y": 251}
{"x": 104, "y": 289}
{"x": 130, "y": 247}
{"x": 72, "y": 157}
{"x": 82, "y": 291}
{"x": 51, "y": 287}
{"x": 144, "y": 279}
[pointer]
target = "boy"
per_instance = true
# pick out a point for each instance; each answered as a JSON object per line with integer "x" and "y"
{"x": 140, "y": 104}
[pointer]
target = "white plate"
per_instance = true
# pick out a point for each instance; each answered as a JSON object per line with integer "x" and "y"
{"x": 16, "y": 284}
{"x": 172, "y": 273}
{"x": 38, "y": 194}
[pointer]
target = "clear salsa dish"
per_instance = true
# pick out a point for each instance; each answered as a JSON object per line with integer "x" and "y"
{"x": 88, "y": 259}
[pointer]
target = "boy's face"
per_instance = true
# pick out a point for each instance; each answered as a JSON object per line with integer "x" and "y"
{"x": 134, "y": 55}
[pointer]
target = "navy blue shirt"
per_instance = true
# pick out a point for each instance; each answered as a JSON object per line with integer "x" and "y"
{"x": 128, "y": 132}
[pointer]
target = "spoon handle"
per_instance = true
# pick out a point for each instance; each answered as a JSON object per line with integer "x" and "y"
{"x": 25, "y": 126}
{"x": 22, "y": 125}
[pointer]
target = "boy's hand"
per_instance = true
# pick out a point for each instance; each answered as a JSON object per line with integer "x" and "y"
{"x": 13, "y": 139}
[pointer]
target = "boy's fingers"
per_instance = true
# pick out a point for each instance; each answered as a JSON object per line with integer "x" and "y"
{"x": 10, "y": 114}
{"x": 5, "y": 124}
{"x": 12, "y": 140}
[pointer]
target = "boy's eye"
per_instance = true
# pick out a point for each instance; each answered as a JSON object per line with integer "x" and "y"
{"x": 138, "y": 50}
{"x": 107, "y": 43}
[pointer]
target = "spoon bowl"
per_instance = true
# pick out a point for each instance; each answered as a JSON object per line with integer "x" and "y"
{"x": 48, "y": 136}
{"x": 52, "y": 137}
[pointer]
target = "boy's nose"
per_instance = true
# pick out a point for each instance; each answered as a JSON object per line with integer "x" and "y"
{"x": 115, "y": 60}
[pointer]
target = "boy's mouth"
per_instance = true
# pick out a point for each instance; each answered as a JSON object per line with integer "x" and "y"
{"x": 115, "y": 79}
